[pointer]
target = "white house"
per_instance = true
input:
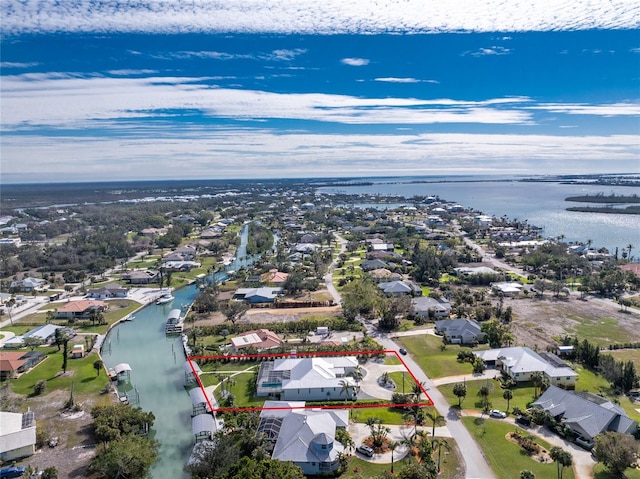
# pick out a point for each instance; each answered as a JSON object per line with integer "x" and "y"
{"x": 520, "y": 362}
{"x": 306, "y": 437}
{"x": 17, "y": 435}
{"x": 308, "y": 379}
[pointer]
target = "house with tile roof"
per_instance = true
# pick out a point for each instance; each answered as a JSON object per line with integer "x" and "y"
{"x": 585, "y": 413}
{"x": 260, "y": 339}
{"x": 273, "y": 276}
{"x": 80, "y": 309}
{"x": 308, "y": 379}
{"x": 521, "y": 362}
{"x": 140, "y": 276}
{"x": 14, "y": 363}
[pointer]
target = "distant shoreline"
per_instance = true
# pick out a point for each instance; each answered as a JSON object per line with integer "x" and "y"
{"x": 629, "y": 210}
{"x": 620, "y": 199}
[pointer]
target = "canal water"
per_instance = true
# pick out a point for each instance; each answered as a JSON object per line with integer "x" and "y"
{"x": 157, "y": 376}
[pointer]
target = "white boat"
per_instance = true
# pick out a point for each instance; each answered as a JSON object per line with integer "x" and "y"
{"x": 128, "y": 317}
{"x": 165, "y": 298}
{"x": 175, "y": 322}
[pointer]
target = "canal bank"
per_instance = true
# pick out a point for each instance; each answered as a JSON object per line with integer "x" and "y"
{"x": 157, "y": 379}
{"x": 157, "y": 376}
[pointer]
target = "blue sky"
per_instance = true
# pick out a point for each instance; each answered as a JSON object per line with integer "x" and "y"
{"x": 94, "y": 90}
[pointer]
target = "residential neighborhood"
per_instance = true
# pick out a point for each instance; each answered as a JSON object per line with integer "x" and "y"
{"x": 328, "y": 336}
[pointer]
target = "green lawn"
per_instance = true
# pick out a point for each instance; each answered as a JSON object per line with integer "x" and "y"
{"x": 626, "y": 355}
{"x": 82, "y": 375}
{"x": 505, "y": 458}
{"x": 426, "y": 351}
{"x": 404, "y": 382}
{"x": 522, "y": 395}
{"x": 600, "y": 331}
{"x": 600, "y": 472}
{"x": 388, "y": 415}
{"x": 359, "y": 468}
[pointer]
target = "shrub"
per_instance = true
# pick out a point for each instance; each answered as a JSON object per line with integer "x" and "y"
{"x": 40, "y": 387}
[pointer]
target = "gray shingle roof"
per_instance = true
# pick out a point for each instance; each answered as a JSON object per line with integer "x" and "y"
{"x": 586, "y": 417}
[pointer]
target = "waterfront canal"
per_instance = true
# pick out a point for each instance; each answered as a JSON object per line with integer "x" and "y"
{"x": 157, "y": 376}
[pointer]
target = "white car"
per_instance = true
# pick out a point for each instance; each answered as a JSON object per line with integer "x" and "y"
{"x": 365, "y": 450}
{"x": 497, "y": 414}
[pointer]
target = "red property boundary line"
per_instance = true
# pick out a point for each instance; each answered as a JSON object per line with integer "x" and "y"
{"x": 429, "y": 402}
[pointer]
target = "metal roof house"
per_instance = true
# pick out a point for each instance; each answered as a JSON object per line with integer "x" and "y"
{"x": 520, "y": 362}
{"x": 308, "y": 379}
{"x": 305, "y": 437}
{"x": 17, "y": 435}
{"x": 585, "y": 413}
{"x": 257, "y": 295}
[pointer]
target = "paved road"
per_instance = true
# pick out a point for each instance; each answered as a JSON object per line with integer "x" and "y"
{"x": 475, "y": 463}
{"x": 476, "y": 466}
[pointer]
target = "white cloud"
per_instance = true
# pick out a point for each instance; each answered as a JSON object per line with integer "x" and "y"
{"x": 494, "y": 50}
{"x": 62, "y": 100}
{"x": 218, "y": 152}
{"x": 327, "y": 16}
{"x": 17, "y": 65}
{"x": 355, "y": 62}
{"x": 403, "y": 80}
{"x": 130, "y": 72}
{"x": 398, "y": 80}
{"x": 612, "y": 109}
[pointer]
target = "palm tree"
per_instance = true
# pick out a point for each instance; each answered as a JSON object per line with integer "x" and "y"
{"x": 435, "y": 418}
{"x": 347, "y": 388}
{"x": 629, "y": 248}
{"x": 440, "y": 443}
{"x": 484, "y": 392}
{"x": 392, "y": 446}
{"x": 508, "y": 395}
{"x": 536, "y": 378}
{"x": 562, "y": 458}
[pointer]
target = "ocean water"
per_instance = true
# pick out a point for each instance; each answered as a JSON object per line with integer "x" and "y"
{"x": 540, "y": 203}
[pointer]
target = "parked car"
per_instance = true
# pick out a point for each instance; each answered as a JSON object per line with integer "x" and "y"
{"x": 403, "y": 351}
{"x": 497, "y": 414}
{"x": 53, "y": 442}
{"x": 523, "y": 421}
{"x": 365, "y": 450}
{"x": 12, "y": 471}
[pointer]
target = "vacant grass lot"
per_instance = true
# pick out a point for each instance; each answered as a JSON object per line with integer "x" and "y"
{"x": 80, "y": 372}
{"x": 522, "y": 395}
{"x": 427, "y": 352}
{"x": 505, "y": 458}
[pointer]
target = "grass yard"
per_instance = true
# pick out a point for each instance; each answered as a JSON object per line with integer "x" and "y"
{"x": 600, "y": 472}
{"x": 404, "y": 382}
{"x": 626, "y": 355}
{"x": 359, "y": 468}
{"x": 388, "y": 415}
{"x": 599, "y": 330}
{"x": 436, "y": 363}
{"x": 231, "y": 366}
{"x": 80, "y": 372}
{"x": 505, "y": 458}
{"x": 522, "y": 395}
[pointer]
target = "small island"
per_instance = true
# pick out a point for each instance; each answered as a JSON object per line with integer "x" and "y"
{"x": 607, "y": 202}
